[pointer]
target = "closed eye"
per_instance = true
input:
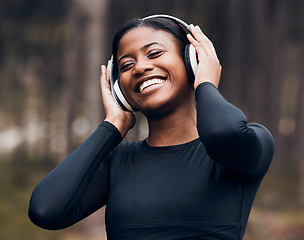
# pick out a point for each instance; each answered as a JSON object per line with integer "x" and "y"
{"x": 155, "y": 53}
{"x": 126, "y": 66}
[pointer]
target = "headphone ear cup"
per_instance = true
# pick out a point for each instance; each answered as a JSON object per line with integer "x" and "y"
{"x": 191, "y": 62}
{"x": 116, "y": 89}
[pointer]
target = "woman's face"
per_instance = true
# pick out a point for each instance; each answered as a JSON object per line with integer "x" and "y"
{"x": 152, "y": 72}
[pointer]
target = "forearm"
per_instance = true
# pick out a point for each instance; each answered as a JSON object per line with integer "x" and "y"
{"x": 229, "y": 139}
{"x": 61, "y": 190}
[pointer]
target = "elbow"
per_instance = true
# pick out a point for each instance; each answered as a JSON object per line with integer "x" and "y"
{"x": 42, "y": 217}
{"x": 222, "y": 136}
{"x": 36, "y": 216}
{"x": 232, "y": 143}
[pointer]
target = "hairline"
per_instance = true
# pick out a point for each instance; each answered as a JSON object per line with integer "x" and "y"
{"x": 174, "y": 38}
{"x": 158, "y": 26}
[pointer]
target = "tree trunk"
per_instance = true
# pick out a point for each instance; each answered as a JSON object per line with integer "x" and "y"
{"x": 70, "y": 74}
{"x": 300, "y": 111}
{"x": 96, "y": 36}
{"x": 90, "y": 15}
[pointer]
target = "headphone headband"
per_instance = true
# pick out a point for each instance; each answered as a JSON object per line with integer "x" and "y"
{"x": 179, "y": 21}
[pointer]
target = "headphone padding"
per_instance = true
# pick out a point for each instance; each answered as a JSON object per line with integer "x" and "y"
{"x": 120, "y": 98}
{"x": 116, "y": 89}
{"x": 190, "y": 61}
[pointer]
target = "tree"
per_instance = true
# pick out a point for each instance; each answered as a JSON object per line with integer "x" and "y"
{"x": 85, "y": 52}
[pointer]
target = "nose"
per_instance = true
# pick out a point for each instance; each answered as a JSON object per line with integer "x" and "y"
{"x": 143, "y": 65}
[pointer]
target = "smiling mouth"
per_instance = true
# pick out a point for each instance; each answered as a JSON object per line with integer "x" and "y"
{"x": 151, "y": 83}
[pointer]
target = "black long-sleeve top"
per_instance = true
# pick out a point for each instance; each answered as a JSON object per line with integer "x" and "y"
{"x": 203, "y": 189}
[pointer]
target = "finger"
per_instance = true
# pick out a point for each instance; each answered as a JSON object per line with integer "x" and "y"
{"x": 101, "y": 74}
{"x": 207, "y": 40}
{"x": 102, "y": 77}
{"x": 103, "y": 71}
{"x": 201, "y": 38}
{"x": 109, "y": 69}
{"x": 198, "y": 31}
{"x": 200, "y": 50}
{"x": 105, "y": 83}
{"x": 193, "y": 41}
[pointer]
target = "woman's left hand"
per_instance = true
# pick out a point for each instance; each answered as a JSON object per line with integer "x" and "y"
{"x": 209, "y": 67}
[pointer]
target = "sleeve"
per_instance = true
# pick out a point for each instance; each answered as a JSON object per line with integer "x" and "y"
{"x": 77, "y": 186}
{"x": 230, "y": 140}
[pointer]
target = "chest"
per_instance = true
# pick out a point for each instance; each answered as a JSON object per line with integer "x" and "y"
{"x": 166, "y": 187}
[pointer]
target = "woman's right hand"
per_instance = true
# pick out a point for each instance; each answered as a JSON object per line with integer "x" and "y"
{"x": 122, "y": 120}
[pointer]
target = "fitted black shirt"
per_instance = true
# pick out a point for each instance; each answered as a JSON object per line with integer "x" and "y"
{"x": 203, "y": 189}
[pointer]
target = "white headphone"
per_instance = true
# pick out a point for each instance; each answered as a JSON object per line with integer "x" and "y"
{"x": 190, "y": 60}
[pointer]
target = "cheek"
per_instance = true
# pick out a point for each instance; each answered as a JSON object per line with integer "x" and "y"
{"x": 124, "y": 87}
{"x": 179, "y": 70}
{"x": 125, "y": 80}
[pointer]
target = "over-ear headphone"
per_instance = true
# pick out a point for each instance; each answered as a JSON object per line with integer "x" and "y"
{"x": 190, "y": 60}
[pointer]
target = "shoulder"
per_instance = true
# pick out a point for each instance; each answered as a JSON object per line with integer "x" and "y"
{"x": 124, "y": 148}
{"x": 128, "y": 145}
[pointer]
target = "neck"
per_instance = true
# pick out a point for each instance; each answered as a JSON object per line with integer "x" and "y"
{"x": 175, "y": 128}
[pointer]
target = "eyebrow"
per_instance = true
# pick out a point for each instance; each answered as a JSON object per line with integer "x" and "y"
{"x": 144, "y": 47}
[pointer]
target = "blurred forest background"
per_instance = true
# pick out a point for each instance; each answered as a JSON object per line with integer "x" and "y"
{"x": 50, "y": 57}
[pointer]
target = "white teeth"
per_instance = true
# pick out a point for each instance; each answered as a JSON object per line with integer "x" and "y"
{"x": 149, "y": 83}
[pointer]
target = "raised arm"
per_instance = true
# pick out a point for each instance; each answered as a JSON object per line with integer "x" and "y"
{"x": 78, "y": 186}
{"x": 244, "y": 147}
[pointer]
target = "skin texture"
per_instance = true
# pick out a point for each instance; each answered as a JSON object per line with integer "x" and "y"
{"x": 143, "y": 54}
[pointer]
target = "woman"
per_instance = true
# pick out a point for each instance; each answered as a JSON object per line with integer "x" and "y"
{"x": 196, "y": 174}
